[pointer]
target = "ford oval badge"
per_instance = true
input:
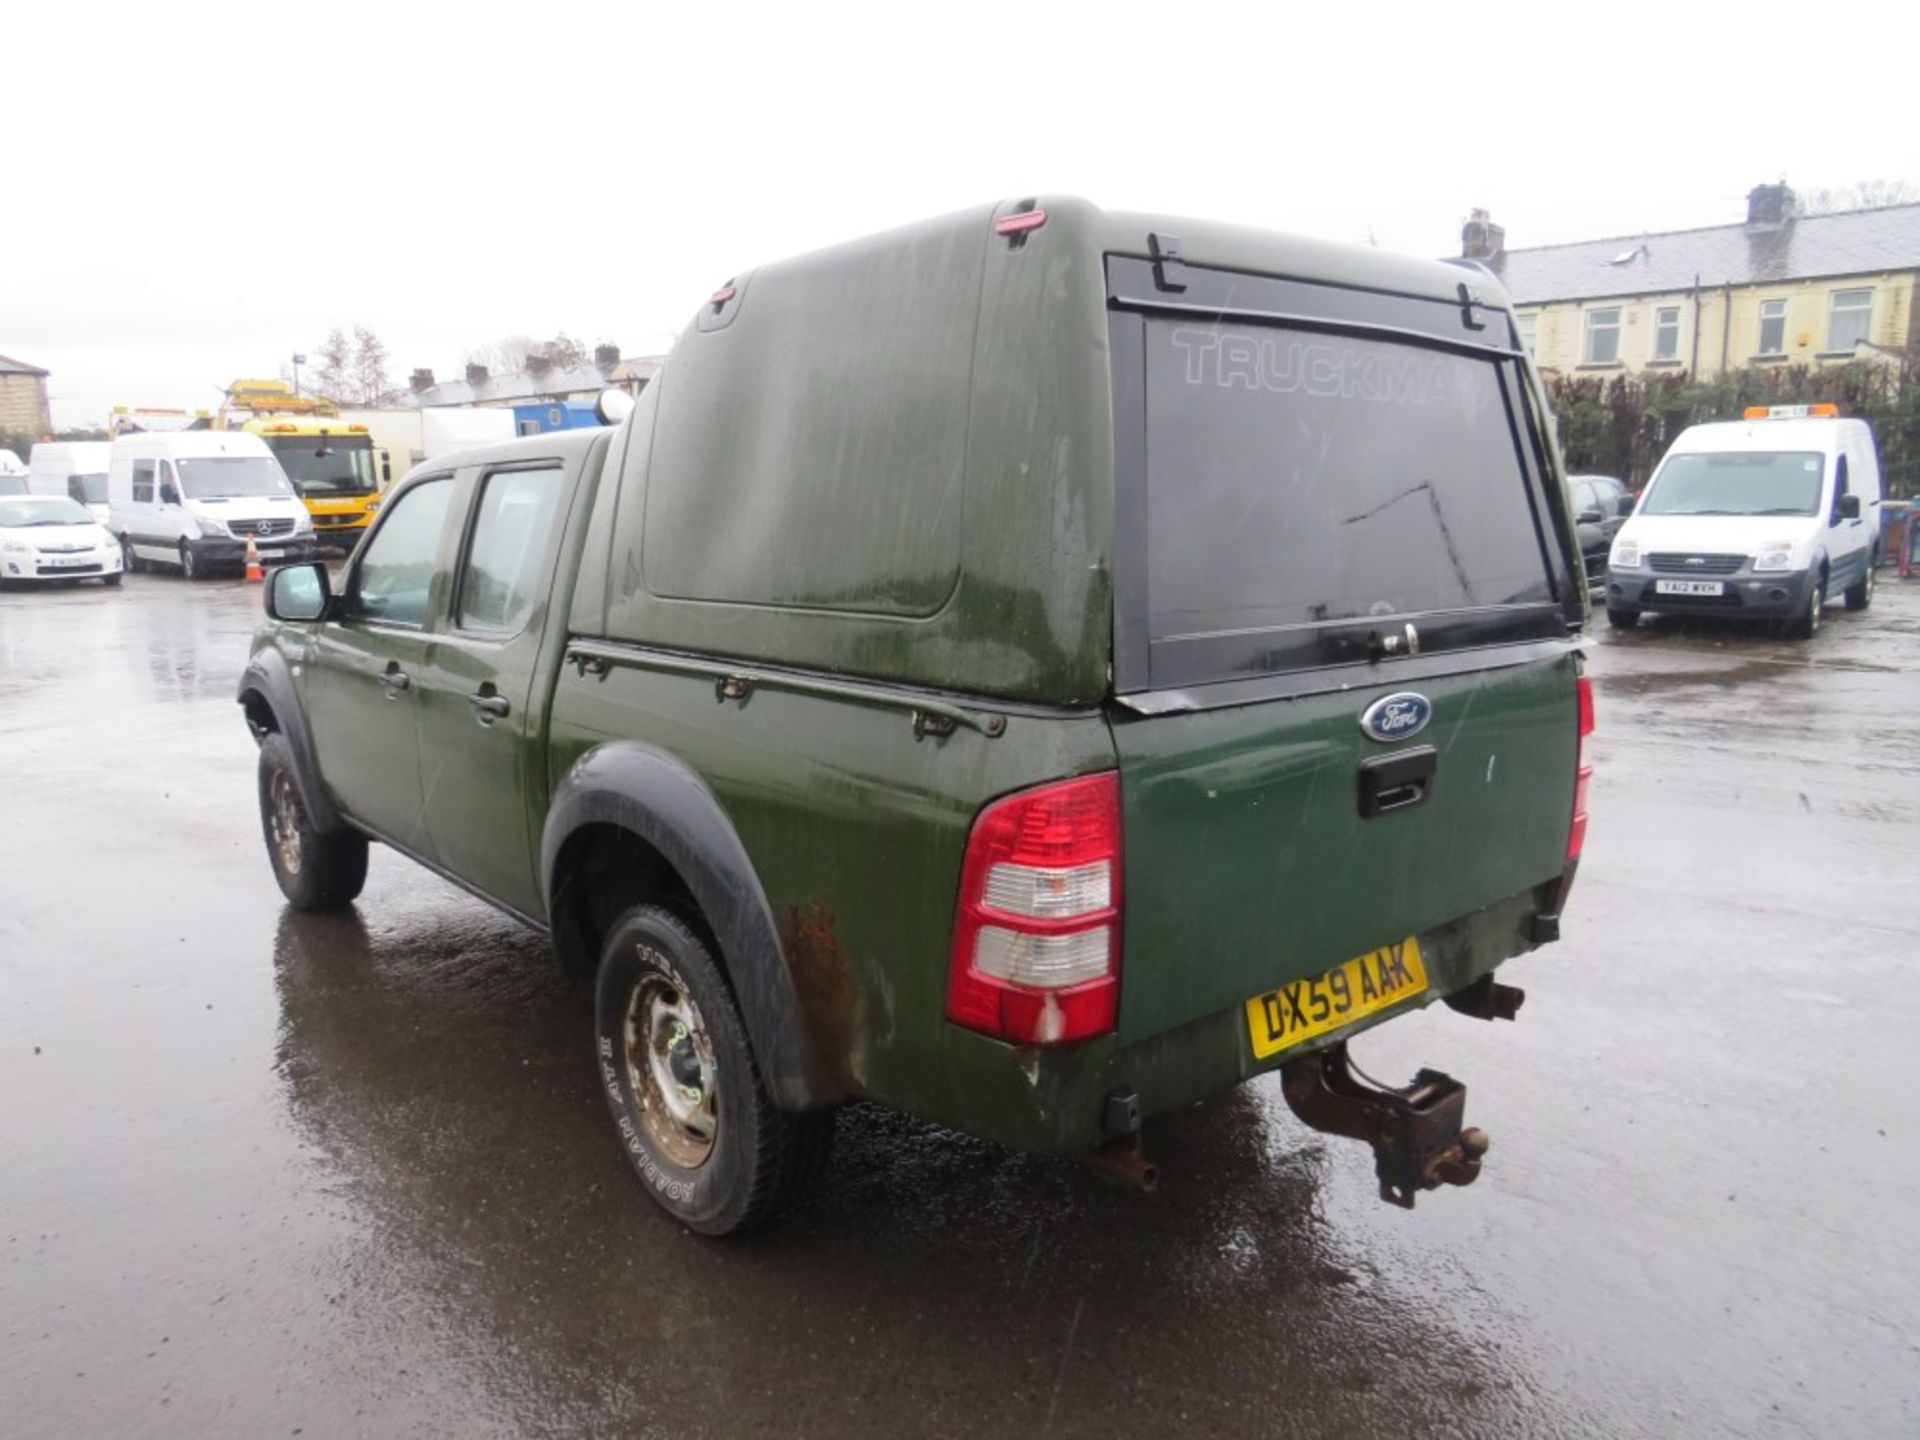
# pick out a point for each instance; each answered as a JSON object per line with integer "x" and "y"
{"x": 1396, "y": 717}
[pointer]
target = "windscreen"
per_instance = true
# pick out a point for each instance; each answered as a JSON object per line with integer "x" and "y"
{"x": 231, "y": 476}
{"x": 37, "y": 510}
{"x": 324, "y": 465}
{"x": 1296, "y": 479}
{"x": 13, "y": 485}
{"x": 92, "y": 487}
{"x": 1740, "y": 482}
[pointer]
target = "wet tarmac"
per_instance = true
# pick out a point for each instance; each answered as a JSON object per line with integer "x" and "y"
{"x": 265, "y": 1174}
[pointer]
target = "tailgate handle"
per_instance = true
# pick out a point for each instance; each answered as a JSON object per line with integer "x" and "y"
{"x": 1396, "y": 781}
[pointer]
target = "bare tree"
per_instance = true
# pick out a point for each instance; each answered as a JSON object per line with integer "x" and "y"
{"x": 1861, "y": 195}
{"x": 511, "y": 354}
{"x": 333, "y": 369}
{"x": 370, "y": 381}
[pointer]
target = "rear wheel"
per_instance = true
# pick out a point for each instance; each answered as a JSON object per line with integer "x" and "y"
{"x": 1806, "y": 624}
{"x": 1622, "y": 619}
{"x": 315, "y": 871}
{"x": 1860, "y": 596}
{"x": 680, "y": 1077}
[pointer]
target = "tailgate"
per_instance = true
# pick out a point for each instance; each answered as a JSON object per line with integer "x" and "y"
{"x": 1249, "y": 863}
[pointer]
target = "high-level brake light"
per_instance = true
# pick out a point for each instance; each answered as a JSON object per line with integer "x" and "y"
{"x": 1790, "y": 412}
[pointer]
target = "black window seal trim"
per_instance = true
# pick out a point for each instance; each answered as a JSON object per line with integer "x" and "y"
{"x": 469, "y": 525}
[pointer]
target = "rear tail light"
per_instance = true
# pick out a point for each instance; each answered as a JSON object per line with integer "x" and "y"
{"x": 1582, "y": 771}
{"x": 1036, "y": 938}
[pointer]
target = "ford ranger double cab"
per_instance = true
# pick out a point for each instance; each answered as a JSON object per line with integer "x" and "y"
{"x": 1033, "y": 669}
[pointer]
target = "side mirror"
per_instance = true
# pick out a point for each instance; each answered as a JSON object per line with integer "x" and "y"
{"x": 1847, "y": 507}
{"x": 299, "y": 592}
{"x": 169, "y": 495}
{"x": 1624, "y": 507}
{"x": 1588, "y": 517}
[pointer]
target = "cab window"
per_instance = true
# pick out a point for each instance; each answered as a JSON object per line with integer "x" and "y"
{"x": 513, "y": 522}
{"x": 395, "y": 574}
{"x": 143, "y": 482}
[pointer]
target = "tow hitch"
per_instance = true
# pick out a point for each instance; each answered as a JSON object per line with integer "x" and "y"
{"x": 1418, "y": 1143}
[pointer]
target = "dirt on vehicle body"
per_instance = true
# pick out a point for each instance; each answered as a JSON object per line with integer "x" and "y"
{"x": 1032, "y": 669}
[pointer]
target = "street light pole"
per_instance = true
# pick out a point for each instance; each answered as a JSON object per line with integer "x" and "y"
{"x": 298, "y": 361}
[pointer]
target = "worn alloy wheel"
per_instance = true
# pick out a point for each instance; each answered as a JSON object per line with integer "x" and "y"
{"x": 315, "y": 871}
{"x": 681, "y": 1080}
{"x": 670, "y": 1066}
{"x": 284, "y": 821}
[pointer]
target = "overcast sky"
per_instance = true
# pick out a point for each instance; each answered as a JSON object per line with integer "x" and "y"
{"x": 196, "y": 192}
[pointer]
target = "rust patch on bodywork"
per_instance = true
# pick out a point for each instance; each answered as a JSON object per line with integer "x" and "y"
{"x": 827, "y": 989}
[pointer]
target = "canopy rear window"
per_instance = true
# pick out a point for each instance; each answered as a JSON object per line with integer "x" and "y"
{"x": 1306, "y": 491}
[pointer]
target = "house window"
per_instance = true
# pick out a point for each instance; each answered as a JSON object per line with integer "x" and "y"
{"x": 1603, "y": 337}
{"x": 1666, "y": 332}
{"x": 1773, "y": 327}
{"x": 1527, "y": 325}
{"x": 1848, "y": 318}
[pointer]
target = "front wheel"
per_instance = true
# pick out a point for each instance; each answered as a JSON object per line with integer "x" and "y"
{"x": 1859, "y": 596}
{"x": 190, "y": 567}
{"x": 1806, "y": 624}
{"x": 315, "y": 871}
{"x": 680, "y": 1077}
{"x": 112, "y": 581}
{"x": 1622, "y": 619}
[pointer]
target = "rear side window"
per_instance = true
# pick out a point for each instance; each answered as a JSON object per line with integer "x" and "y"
{"x": 513, "y": 523}
{"x": 1297, "y": 480}
{"x": 143, "y": 482}
{"x": 395, "y": 576}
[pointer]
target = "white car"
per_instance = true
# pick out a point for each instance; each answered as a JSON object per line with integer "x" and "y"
{"x": 49, "y": 537}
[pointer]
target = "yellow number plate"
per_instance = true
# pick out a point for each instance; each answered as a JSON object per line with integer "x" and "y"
{"x": 1360, "y": 986}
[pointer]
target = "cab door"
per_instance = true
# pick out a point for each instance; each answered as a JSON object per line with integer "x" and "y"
{"x": 366, "y": 660}
{"x": 480, "y": 743}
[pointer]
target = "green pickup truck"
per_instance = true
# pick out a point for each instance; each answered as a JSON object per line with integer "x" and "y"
{"x": 1032, "y": 669}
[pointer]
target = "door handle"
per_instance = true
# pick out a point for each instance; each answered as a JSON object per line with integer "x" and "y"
{"x": 395, "y": 681}
{"x": 489, "y": 707}
{"x": 1396, "y": 781}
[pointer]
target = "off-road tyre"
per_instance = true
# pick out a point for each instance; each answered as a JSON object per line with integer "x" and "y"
{"x": 315, "y": 871}
{"x": 1806, "y": 624}
{"x": 1622, "y": 619}
{"x": 1860, "y": 596}
{"x": 754, "y": 1158}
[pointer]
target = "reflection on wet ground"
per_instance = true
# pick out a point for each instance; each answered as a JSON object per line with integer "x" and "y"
{"x": 266, "y": 1173}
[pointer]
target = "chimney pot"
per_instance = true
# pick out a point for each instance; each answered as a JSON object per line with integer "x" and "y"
{"x": 1481, "y": 239}
{"x": 606, "y": 356}
{"x": 476, "y": 374}
{"x": 539, "y": 364}
{"x": 1770, "y": 205}
{"x": 420, "y": 380}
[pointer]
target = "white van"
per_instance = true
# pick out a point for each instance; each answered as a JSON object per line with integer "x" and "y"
{"x": 193, "y": 498}
{"x": 76, "y": 469}
{"x": 1766, "y": 517}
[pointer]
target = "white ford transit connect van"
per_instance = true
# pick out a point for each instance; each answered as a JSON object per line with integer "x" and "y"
{"x": 193, "y": 498}
{"x": 1766, "y": 517}
{"x": 76, "y": 469}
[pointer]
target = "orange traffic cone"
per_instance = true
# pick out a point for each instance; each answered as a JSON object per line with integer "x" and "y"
{"x": 254, "y": 572}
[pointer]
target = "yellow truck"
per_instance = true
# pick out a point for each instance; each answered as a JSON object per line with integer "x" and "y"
{"x": 328, "y": 459}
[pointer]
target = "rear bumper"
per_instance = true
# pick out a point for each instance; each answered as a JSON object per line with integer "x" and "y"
{"x": 1744, "y": 594}
{"x": 1057, "y": 1101}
